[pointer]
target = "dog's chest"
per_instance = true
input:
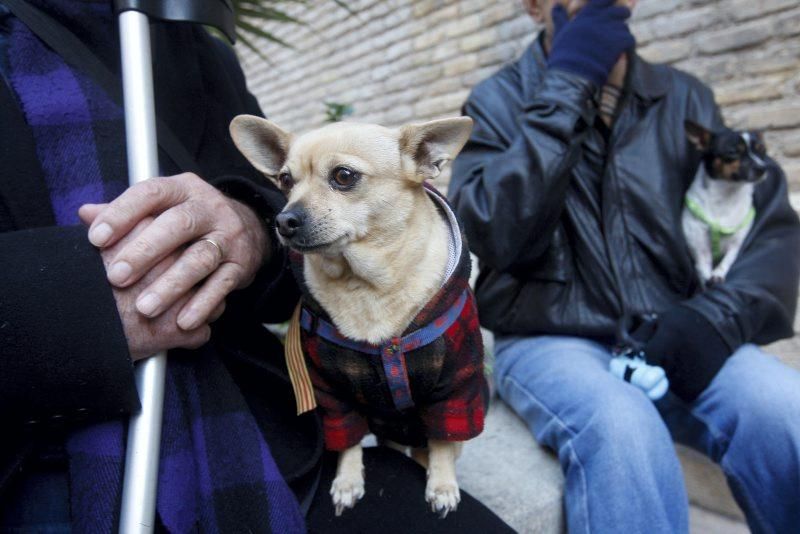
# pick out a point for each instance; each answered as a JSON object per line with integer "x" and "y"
{"x": 716, "y": 209}
{"x": 364, "y": 313}
{"x": 725, "y": 203}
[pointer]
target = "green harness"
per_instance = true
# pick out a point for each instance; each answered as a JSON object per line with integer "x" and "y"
{"x": 716, "y": 230}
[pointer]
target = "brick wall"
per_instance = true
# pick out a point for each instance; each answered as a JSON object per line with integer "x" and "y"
{"x": 402, "y": 60}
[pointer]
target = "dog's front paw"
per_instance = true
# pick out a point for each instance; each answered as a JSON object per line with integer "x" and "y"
{"x": 715, "y": 280}
{"x": 443, "y": 496}
{"x": 346, "y": 490}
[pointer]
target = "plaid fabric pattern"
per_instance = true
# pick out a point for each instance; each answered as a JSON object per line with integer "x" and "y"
{"x": 446, "y": 377}
{"x": 207, "y": 481}
{"x": 392, "y": 353}
{"x": 73, "y": 121}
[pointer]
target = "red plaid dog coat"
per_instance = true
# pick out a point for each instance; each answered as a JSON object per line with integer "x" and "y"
{"x": 427, "y": 384}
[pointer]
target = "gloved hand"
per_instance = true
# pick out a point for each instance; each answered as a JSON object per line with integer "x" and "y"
{"x": 649, "y": 378}
{"x": 687, "y": 347}
{"x": 590, "y": 44}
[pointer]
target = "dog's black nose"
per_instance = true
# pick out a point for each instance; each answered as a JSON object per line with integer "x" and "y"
{"x": 289, "y": 222}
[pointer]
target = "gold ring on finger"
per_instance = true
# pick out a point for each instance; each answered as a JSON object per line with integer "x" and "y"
{"x": 216, "y": 246}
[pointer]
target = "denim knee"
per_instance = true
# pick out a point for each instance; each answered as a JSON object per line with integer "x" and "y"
{"x": 755, "y": 397}
{"x": 564, "y": 355}
{"x": 623, "y": 420}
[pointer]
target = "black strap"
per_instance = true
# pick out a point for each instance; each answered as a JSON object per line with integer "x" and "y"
{"x": 311, "y": 491}
{"x": 25, "y": 195}
{"x": 74, "y": 52}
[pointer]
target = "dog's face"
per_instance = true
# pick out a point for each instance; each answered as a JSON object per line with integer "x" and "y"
{"x": 730, "y": 155}
{"x": 347, "y": 181}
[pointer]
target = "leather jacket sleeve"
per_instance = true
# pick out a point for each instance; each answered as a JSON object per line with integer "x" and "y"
{"x": 509, "y": 192}
{"x": 757, "y": 301}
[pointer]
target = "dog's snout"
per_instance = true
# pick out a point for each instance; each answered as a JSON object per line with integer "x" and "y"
{"x": 289, "y": 222}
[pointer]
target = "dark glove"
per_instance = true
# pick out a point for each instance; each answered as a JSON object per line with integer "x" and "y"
{"x": 591, "y": 43}
{"x": 687, "y": 347}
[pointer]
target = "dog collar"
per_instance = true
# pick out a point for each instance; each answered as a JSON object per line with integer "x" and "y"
{"x": 454, "y": 243}
{"x": 716, "y": 230}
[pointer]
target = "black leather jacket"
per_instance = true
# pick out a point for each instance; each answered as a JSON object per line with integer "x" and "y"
{"x": 572, "y": 234}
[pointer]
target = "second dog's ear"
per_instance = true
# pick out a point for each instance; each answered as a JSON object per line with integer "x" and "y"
{"x": 432, "y": 144}
{"x": 263, "y": 143}
{"x": 698, "y": 136}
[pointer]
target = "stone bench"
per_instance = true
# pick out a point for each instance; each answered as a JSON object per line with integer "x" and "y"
{"x": 522, "y": 482}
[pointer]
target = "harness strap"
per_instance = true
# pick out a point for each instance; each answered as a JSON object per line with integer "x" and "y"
{"x": 392, "y": 353}
{"x": 716, "y": 230}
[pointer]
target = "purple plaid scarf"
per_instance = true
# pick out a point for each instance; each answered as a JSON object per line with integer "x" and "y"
{"x": 71, "y": 118}
{"x": 216, "y": 472}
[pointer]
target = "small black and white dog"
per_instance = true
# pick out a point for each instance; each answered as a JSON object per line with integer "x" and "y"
{"x": 718, "y": 211}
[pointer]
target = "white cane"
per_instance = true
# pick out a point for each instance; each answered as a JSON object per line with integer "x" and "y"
{"x": 144, "y": 430}
{"x": 140, "y": 481}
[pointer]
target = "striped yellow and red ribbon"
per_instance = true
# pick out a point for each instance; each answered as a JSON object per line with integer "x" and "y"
{"x": 298, "y": 372}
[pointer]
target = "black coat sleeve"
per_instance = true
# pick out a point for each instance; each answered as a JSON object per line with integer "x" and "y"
{"x": 509, "y": 190}
{"x": 63, "y": 352}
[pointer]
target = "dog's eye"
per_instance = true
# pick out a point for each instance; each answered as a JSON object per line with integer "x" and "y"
{"x": 285, "y": 181}
{"x": 343, "y": 178}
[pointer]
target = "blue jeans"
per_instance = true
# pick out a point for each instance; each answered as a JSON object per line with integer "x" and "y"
{"x": 615, "y": 445}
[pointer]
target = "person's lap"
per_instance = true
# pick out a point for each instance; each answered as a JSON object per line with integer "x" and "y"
{"x": 747, "y": 421}
{"x": 605, "y": 430}
{"x": 394, "y": 501}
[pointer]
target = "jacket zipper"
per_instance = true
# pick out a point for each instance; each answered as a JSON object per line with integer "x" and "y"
{"x": 611, "y": 181}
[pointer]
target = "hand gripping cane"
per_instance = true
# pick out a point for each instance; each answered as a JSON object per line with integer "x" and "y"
{"x": 144, "y": 431}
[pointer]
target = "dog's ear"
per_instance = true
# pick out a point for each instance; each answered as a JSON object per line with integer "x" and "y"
{"x": 698, "y": 136}
{"x": 263, "y": 143}
{"x": 432, "y": 144}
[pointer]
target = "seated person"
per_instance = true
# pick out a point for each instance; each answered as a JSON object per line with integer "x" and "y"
{"x": 571, "y": 190}
{"x": 234, "y": 456}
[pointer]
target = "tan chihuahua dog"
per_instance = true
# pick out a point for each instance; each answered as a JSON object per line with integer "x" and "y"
{"x": 379, "y": 250}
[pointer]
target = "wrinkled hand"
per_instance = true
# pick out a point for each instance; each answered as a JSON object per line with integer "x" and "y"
{"x": 200, "y": 275}
{"x": 148, "y": 336}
